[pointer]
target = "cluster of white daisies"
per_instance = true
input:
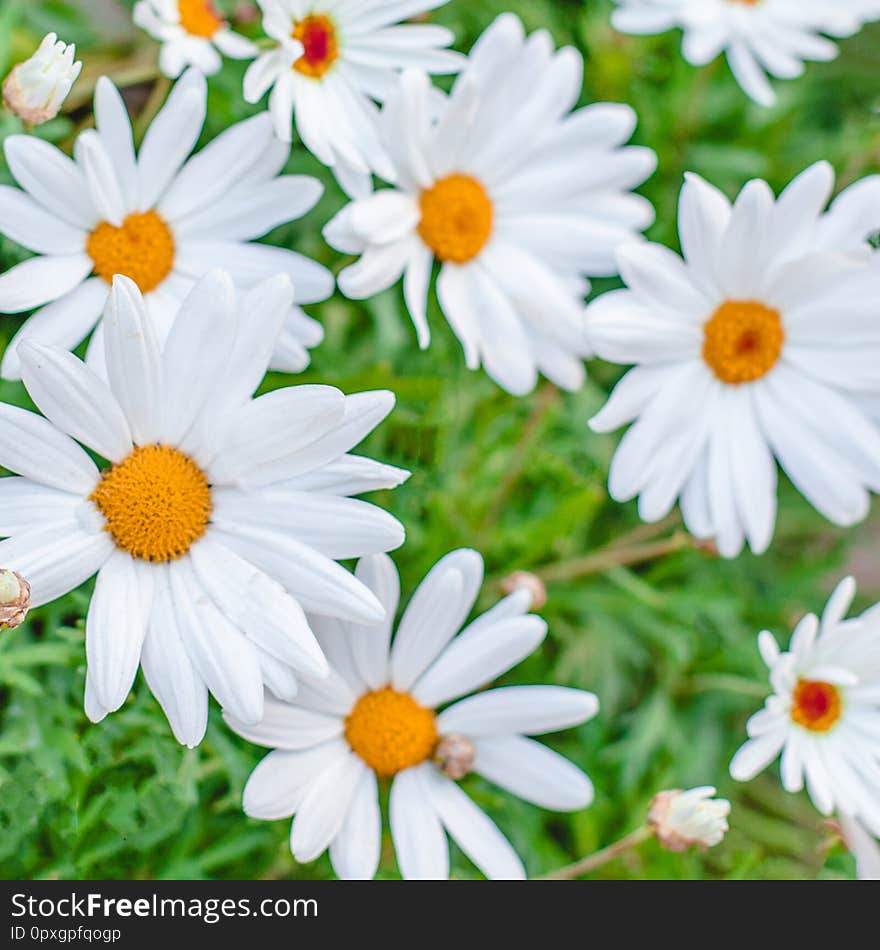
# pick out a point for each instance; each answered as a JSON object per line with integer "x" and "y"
{"x": 217, "y": 519}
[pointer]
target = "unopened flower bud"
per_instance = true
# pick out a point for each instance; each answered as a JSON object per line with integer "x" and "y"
{"x": 36, "y": 88}
{"x": 15, "y": 599}
{"x": 454, "y": 756}
{"x": 681, "y": 820}
{"x": 524, "y": 580}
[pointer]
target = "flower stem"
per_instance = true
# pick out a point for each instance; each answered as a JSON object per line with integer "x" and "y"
{"x": 600, "y": 858}
{"x": 615, "y": 555}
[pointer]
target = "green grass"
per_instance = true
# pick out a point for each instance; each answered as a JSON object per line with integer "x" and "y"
{"x": 668, "y": 645}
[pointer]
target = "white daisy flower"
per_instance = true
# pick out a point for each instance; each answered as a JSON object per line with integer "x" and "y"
{"x": 824, "y": 714}
{"x": 864, "y": 847}
{"x": 375, "y": 718}
{"x": 518, "y": 204}
{"x": 36, "y": 89}
{"x": 681, "y": 820}
{"x": 219, "y": 518}
{"x": 192, "y": 33}
{"x": 759, "y": 37}
{"x": 334, "y": 59}
{"x": 759, "y": 345}
{"x": 161, "y": 218}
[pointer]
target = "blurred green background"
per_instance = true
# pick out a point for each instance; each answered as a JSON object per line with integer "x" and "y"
{"x": 662, "y": 631}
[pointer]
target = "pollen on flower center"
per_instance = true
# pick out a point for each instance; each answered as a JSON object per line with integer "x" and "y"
{"x": 390, "y": 731}
{"x": 157, "y": 503}
{"x": 743, "y": 341}
{"x": 457, "y": 218}
{"x": 142, "y": 249}
{"x": 317, "y": 33}
{"x": 199, "y": 17}
{"x": 816, "y": 705}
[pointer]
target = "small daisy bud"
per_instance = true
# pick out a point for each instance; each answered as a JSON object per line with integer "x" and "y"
{"x": 454, "y": 756}
{"x": 15, "y": 599}
{"x": 524, "y": 580}
{"x": 36, "y": 88}
{"x": 681, "y": 820}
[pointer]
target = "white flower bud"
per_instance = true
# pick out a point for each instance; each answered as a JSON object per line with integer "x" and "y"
{"x": 455, "y": 756}
{"x": 525, "y": 580}
{"x": 36, "y": 88}
{"x": 15, "y": 599}
{"x": 681, "y": 820}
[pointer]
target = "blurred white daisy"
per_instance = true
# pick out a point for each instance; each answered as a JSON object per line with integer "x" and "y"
{"x": 824, "y": 714}
{"x": 518, "y": 199}
{"x": 683, "y": 819}
{"x": 375, "y": 718}
{"x": 192, "y": 33}
{"x": 36, "y": 89}
{"x": 334, "y": 60}
{"x": 161, "y": 218}
{"x": 759, "y": 345}
{"x": 219, "y": 518}
{"x": 864, "y": 847}
{"x": 759, "y": 37}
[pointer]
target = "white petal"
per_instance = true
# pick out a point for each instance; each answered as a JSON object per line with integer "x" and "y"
{"x": 133, "y": 363}
{"x": 434, "y": 615}
{"x": 222, "y": 654}
{"x": 71, "y": 396}
{"x": 277, "y": 785}
{"x": 258, "y": 605}
{"x": 533, "y": 772}
{"x": 55, "y": 560}
{"x": 31, "y": 446}
{"x": 324, "y": 808}
{"x": 197, "y": 353}
{"x": 530, "y": 710}
{"x": 169, "y": 671}
{"x": 284, "y": 726}
{"x": 473, "y": 830}
{"x": 419, "y": 839}
{"x": 369, "y": 645}
{"x": 116, "y": 625}
{"x": 355, "y": 851}
{"x": 171, "y": 137}
{"x": 476, "y": 658}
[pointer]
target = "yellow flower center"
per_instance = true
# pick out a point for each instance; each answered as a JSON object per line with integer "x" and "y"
{"x": 156, "y": 502}
{"x": 816, "y": 705}
{"x": 743, "y": 341}
{"x": 390, "y": 731}
{"x": 317, "y": 33}
{"x": 199, "y": 17}
{"x": 457, "y": 217}
{"x": 142, "y": 249}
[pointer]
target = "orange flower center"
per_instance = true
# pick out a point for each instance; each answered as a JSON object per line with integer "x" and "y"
{"x": 742, "y": 341}
{"x": 199, "y": 17}
{"x": 317, "y": 33}
{"x": 142, "y": 249}
{"x": 816, "y": 705}
{"x": 390, "y": 731}
{"x": 457, "y": 217}
{"x": 156, "y": 502}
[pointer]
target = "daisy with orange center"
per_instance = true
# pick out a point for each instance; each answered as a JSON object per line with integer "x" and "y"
{"x": 160, "y": 217}
{"x": 192, "y": 33}
{"x": 744, "y": 359}
{"x": 217, "y": 519}
{"x": 518, "y": 208}
{"x": 759, "y": 38}
{"x": 333, "y": 62}
{"x": 378, "y": 718}
{"x": 824, "y": 714}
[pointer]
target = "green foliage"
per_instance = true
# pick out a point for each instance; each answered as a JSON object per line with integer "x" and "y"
{"x": 668, "y": 645}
